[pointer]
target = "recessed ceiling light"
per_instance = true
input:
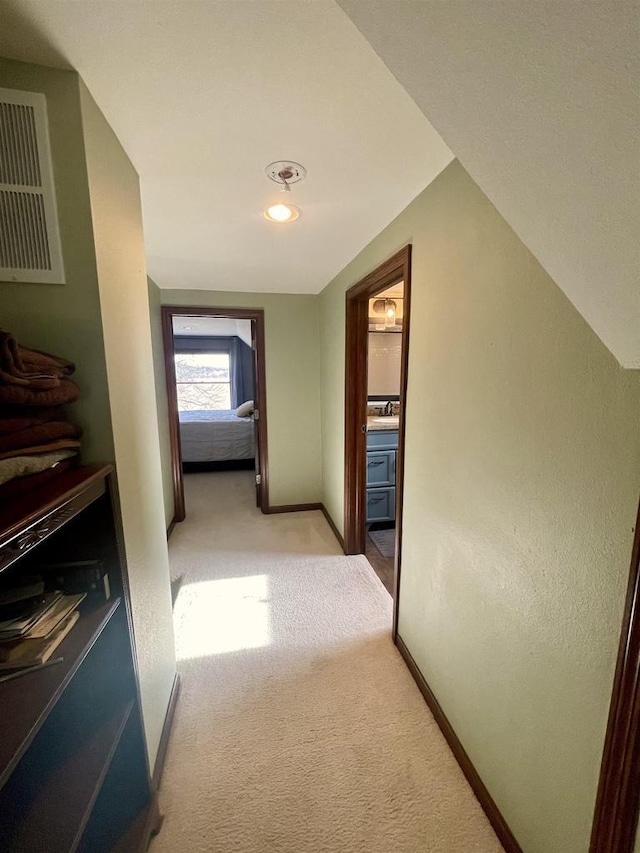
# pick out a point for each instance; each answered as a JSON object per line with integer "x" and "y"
{"x": 281, "y": 213}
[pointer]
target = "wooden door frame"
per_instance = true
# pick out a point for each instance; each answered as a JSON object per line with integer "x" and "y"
{"x": 395, "y": 269}
{"x": 168, "y": 312}
{"x": 617, "y": 804}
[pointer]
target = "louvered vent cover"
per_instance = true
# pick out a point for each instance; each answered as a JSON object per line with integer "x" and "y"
{"x": 29, "y": 236}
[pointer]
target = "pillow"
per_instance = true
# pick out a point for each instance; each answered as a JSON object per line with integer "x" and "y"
{"x": 245, "y": 409}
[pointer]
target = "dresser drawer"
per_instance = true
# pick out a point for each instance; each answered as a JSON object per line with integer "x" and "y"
{"x": 381, "y": 505}
{"x": 381, "y": 468}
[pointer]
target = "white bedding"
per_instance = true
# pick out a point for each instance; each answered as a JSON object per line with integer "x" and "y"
{"x": 216, "y": 436}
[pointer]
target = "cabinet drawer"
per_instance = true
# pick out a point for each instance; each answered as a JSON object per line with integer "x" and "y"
{"x": 382, "y": 439}
{"x": 381, "y": 468}
{"x": 381, "y": 505}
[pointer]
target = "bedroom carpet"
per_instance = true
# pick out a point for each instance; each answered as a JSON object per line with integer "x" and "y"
{"x": 299, "y": 728}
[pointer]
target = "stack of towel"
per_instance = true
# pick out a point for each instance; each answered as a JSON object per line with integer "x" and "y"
{"x": 36, "y": 439}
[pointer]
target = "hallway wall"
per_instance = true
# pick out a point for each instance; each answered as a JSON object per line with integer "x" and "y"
{"x": 522, "y": 483}
{"x": 293, "y": 385}
{"x": 119, "y": 245}
{"x": 100, "y": 319}
{"x": 65, "y": 319}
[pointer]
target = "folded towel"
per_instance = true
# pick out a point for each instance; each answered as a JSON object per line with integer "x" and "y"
{"x": 41, "y": 434}
{"x": 15, "y": 418}
{"x": 66, "y": 392}
{"x": 20, "y": 466}
{"x": 19, "y": 485}
{"x": 30, "y": 368}
{"x": 35, "y": 361}
{"x": 61, "y": 444}
{"x": 33, "y": 381}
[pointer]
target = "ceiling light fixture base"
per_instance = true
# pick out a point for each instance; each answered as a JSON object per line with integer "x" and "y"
{"x": 285, "y": 173}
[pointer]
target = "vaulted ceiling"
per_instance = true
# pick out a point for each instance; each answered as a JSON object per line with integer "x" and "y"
{"x": 540, "y": 103}
{"x": 204, "y": 95}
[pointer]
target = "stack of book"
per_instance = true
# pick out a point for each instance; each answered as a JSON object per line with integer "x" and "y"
{"x": 33, "y": 625}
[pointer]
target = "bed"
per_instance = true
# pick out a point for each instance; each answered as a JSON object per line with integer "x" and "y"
{"x": 216, "y": 436}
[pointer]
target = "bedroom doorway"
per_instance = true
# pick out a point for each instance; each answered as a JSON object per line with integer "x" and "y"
{"x": 216, "y": 394}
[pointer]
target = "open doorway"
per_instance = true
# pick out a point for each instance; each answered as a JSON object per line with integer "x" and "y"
{"x": 214, "y": 365}
{"x": 377, "y": 345}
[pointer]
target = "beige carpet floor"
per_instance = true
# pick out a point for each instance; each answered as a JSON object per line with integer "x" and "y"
{"x": 299, "y": 728}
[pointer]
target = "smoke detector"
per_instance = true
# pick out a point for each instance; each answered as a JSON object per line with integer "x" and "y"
{"x": 285, "y": 173}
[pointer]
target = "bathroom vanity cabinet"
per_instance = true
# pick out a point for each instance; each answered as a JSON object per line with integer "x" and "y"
{"x": 382, "y": 449}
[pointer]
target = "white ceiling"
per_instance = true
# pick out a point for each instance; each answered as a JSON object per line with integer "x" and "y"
{"x": 212, "y": 327}
{"x": 203, "y": 95}
{"x": 540, "y": 102}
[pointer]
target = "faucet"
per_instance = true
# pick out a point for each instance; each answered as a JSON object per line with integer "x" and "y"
{"x": 388, "y": 409}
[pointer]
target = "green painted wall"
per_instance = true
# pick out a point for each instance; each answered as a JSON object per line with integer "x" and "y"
{"x": 124, "y": 302}
{"x": 293, "y": 386}
{"x": 161, "y": 394}
{"x": 522, "y": 483}
{"x": 100, "y": 319}
{"x": 65, "y": 319}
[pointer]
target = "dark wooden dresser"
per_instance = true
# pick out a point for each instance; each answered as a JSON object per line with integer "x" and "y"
{"x": 74, "y": 772}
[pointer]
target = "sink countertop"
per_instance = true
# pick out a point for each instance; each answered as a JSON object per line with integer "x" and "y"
{"x": 376, "y": 422}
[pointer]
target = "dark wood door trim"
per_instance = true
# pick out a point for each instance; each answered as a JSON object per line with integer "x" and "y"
{"x": 172, "y": 402}
{"x": 395, "y": 269}
{"x": 168, "y": 312}
{"x": 616, "y": 813}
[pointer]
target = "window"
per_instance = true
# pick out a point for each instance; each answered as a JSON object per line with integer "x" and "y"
{"x": 203, "y": 380}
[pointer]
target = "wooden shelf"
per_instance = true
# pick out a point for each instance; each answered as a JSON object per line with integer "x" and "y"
{"x": 36, "y": 515}
{"x": 27, "y": 701}
{"x": 58, "y": 814}
{"x": 74, "y": 772}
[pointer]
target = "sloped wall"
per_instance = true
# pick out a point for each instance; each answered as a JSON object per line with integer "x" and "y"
{"x": 522, "y": 483}
{"x": 539, "y": 102}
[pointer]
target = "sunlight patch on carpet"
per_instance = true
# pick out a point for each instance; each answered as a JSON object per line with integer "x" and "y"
{"x": 218, "y": 616}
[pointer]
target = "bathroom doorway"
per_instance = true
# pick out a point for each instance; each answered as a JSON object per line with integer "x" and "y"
{"x": 377, "y": 347}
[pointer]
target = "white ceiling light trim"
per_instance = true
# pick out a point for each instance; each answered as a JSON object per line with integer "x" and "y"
{"x": 281, "y": 213}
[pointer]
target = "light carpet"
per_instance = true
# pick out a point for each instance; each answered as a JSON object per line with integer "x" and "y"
{"x": 299, "y": 728}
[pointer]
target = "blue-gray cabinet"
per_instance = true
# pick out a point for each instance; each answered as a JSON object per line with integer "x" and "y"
{"x": 382, "y": 448}
{"x": 381, "y": 468}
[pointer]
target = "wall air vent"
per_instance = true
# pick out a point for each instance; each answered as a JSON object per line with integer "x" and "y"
{"x": 30, "y": 247}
